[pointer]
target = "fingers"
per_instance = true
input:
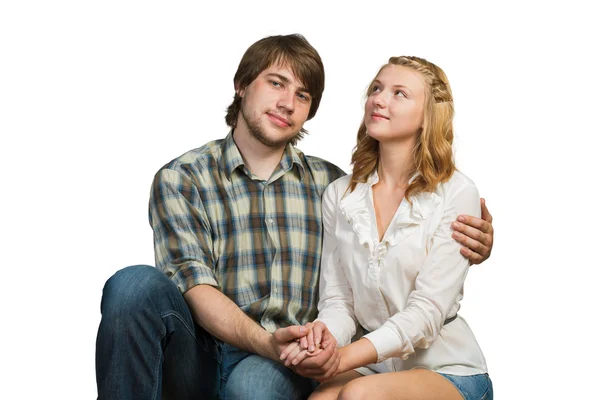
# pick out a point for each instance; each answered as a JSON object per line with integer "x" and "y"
{"x": 483, "y": 234}
{"x": 485, "y": 213}
{"x": 474, "y": 222}
{"x": 473, "y": 257}
{"x": 293, "y": 355}
{"x": 311, "y": 340}
{"x": 327, "y": 371}
{"x": 284, "y": 354}
{"x": 319, "y": 330}
{"x": 318, "y": 350}
{"x": 315, "y": 365}
{"x": 284, "y": 335}
{"x": 306, "y": 341}
{"x": 299, "y": 357}
{"x": 473, "y": 239}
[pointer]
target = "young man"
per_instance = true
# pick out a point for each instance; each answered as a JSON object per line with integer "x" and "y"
{"x": 237, "y": 233}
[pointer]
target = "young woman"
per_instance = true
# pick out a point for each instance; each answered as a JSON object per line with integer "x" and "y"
{"x": 390, "y": 265}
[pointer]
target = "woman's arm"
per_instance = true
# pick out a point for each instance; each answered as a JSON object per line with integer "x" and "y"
{"x": 357, "y": 354}
{"x": 336, "y": 305}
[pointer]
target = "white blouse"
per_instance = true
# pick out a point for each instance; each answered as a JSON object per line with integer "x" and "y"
{"x": 402, "y": 289}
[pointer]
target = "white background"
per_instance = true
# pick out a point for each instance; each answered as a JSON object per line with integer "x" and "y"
{"x": 96, "y": 96}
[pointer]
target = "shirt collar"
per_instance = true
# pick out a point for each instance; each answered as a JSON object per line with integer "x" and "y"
{"x": 374, "y": 178}
{"x": 291, "y": 157}
{"x": 231, "y": 158}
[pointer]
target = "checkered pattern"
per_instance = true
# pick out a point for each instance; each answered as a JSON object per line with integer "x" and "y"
{"x": 257, "y": 241}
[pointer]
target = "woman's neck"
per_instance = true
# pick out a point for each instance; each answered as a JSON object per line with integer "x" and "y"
{"x": 396, "y": 165}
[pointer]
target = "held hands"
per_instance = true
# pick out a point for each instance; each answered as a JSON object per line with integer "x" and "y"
{"x": 477, "y": 235}
{"x": 314, "y": 355}
{"x": 283, "y": 337}
{"x": 309, "y": 345}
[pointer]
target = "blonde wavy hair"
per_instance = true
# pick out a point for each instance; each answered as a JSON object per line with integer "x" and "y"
{"x": 432, "y": 155}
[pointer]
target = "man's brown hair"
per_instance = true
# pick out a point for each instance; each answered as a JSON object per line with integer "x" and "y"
{"x": 292, "y": 51}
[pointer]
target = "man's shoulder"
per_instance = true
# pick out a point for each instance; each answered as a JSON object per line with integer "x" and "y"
{"x": 322, "y": 170}
{"x": 195, "y": 161}
{"x": 320, "y": 163}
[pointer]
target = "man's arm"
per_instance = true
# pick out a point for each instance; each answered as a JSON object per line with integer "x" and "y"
{"x": 223, "y": 319}
{"x": 183, "y": 250}
{"x": 475, "y": 234}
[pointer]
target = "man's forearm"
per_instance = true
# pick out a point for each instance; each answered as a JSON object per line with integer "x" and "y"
{"x": 223, "y": 319}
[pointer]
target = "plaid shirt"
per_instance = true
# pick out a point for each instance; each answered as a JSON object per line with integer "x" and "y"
{"x": 258, "y": 241}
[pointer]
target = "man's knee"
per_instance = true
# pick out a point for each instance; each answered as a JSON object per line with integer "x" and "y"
{"x": 131, "y": 290}
{"x": 257, "y": 377}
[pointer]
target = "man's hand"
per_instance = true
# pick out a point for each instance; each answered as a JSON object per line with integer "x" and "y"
{"x": 322, "y": 365}
{"x": 477, "y": 235}
{"x": 282, "y": 338}
{"x": 307, "y": 346}
{"x": 317, "y": 332}
{"x": 294, "y": 353}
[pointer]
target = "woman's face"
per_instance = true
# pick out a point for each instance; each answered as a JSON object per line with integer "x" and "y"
{"x": 394, "y": 108}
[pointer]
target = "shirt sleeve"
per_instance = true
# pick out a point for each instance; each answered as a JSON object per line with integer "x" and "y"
{"x": 336, "y": 305}
{"x": 182, "y": 234}
{"x": 439, "y": 282}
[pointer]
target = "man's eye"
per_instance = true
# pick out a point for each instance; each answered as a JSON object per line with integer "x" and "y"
{"x": 275, "y": 83}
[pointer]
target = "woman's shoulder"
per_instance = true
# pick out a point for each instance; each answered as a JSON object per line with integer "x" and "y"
{"x": 458, "y": 182}
{"x": 339, "y": 186}
{"x": 460, "y": 190}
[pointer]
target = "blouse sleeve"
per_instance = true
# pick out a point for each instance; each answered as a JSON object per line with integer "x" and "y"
{"x": 336, "y": 305}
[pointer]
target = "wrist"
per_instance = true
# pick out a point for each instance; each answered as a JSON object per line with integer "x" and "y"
{"x": 357, "y": 354}
{"x": 264, "y": 346}
{"x": 344, "y": 361}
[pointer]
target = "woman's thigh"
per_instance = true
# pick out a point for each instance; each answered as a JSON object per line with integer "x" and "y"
{"x": 331, "y": 389}
{"x": 418, "y": 384}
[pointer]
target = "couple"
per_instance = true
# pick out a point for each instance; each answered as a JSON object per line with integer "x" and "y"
{"x": 246, "y": 227}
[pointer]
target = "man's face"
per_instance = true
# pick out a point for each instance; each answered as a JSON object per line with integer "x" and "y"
{"x": 274, "y": 106}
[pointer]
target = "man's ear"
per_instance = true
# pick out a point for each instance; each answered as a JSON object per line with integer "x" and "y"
{"x": 239, "y": 91}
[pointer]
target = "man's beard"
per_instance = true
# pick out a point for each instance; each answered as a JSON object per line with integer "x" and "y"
{"x": 256, "y": 130}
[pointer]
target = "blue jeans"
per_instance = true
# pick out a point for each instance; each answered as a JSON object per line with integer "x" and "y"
{"x": 473, "y": 387}
{"x": 148, "y": 347}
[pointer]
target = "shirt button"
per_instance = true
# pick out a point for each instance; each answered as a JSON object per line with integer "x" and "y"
{"x": 270, "y": 220}
{"x": 275, "y": 290}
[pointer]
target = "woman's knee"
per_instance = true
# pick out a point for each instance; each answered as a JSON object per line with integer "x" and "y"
{"x": 354, "y": 390}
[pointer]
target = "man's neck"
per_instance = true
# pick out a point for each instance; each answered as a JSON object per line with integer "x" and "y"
{"x": 261, "y": 160}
